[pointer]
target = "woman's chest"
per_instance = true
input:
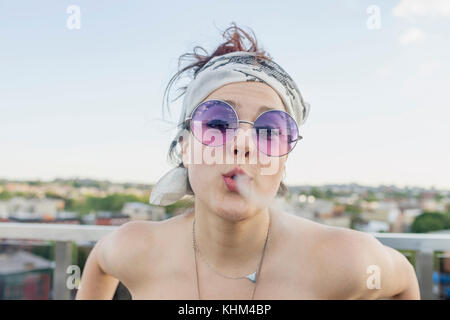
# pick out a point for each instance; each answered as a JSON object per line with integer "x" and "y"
{"x": 181, "y": 280}
{"x": 290, "y": 270}
{"x": 219, "y": 290}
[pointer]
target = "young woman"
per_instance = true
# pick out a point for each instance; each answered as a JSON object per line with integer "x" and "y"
{"x": 243, "y": 111}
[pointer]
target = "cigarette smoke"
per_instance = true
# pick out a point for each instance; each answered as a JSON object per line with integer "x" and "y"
{"x": 260, "y": 200}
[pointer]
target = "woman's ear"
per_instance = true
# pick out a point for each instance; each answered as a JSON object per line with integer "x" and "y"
{"x": 184, "y": 143}
{"x": 284, "y": 162}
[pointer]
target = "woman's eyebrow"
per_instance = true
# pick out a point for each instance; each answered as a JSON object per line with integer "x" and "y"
{"x": 237, "y": 105}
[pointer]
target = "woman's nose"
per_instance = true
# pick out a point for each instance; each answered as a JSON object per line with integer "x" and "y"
{"x": 243, "y": 145}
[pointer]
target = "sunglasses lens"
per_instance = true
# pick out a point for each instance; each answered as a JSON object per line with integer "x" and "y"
{"x": 213, "y": 123}
{"x": 276, "y": 133}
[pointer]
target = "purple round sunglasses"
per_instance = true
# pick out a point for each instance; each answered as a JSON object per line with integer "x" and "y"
{"x": 215, "y": 122}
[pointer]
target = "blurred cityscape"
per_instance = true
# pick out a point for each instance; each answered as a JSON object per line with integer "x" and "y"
{"x": 371, "y": 209}
{"x": 26, "y": 267}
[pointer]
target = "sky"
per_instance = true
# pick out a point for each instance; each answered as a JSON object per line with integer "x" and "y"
{"x": 87, "y": 102}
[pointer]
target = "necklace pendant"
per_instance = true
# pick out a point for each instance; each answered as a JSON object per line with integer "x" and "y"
{"x": 252, "y": 277}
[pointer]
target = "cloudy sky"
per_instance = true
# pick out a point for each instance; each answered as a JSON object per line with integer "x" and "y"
{"x": 87, "y": 102}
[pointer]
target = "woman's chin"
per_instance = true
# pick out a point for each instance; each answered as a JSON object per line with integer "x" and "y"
{"x": 234, "y": 207}
{"x": 234, "y": 215}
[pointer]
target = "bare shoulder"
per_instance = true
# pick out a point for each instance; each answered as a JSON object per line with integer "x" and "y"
{"x": 131, "y": 250}
{"x": 123, "y": 252}
{"x": 350, "y": 264}
{"x": 363, "y": 267}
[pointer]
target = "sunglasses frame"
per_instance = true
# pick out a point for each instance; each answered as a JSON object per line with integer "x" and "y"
{"x": 188, "y": 120}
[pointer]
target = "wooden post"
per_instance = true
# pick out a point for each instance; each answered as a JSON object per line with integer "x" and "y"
{"x": 424, "y": 271}
{"x": 63, "y": 259}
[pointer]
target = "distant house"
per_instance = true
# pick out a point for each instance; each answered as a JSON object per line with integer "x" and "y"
{"x": 107, "y": 218}
{"x": 336, "y": 221}
{"x": 60, "y": 217}
{"x": 374, "y": 226}
{"x": 40, "y": 207}
{"x": 316, "y": 208}
{"x": 89, "y": 218}
{"x": 19, "y": 209}
{"x": 142, "y": 211}
{"x": 24, "y": 276}
{"x": 4, "y": 211}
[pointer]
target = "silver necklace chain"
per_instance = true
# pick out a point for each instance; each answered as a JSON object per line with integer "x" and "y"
{"x": 196, "y": 248}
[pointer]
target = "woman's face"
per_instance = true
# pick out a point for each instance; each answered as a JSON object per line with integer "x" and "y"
{"x": 266, "y": 172}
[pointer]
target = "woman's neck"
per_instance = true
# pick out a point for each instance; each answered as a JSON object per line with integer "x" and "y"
{"x": 233, "y": 246}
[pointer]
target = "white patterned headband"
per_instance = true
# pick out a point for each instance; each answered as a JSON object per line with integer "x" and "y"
{"x": 221, "y": 70}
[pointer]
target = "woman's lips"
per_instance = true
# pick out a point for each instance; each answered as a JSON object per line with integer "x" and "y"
{"x": 232, "y": 184}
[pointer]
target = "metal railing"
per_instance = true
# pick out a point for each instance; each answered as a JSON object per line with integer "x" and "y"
{"x": 64, "y": 234}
